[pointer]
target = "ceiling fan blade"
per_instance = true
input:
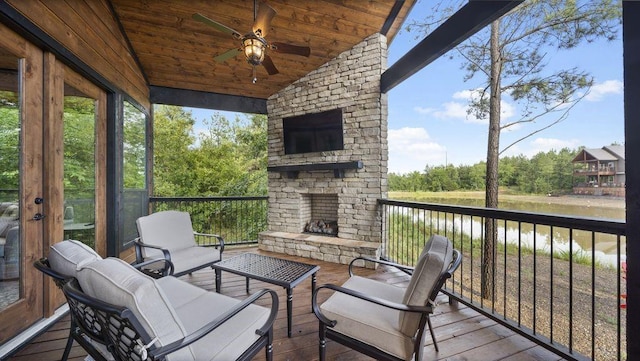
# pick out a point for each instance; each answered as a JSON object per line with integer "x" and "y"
{"x": 290, "y": 49}
{"x": 263, "y": 20}
{"x": 226, "y": 55}
{"x": 216, "y": 25}
{"x": 268, "y": 65}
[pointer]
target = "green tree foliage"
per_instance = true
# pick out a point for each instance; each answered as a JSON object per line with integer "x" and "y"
{"x": 472, "y": 177}
{"x": 546, "y": 172}
{"x": 79, "y": 146}
{"x": 173, "y": 164}
{"x": 79, "y": 140}
{"x": 228, "y": 158}
{"x": 442, "y": 178}
{"x": 9, "y": 141}
{"x": 411, "y": 182}
{"x": 134, "y": 147}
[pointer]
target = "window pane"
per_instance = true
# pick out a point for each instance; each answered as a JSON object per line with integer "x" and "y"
{"x": 134, "y": 169}
{"x": 79, "y": 166}
{"x": 10, "y": 127}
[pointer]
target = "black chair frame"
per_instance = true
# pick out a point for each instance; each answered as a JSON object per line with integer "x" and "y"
{"x": 83, "y": 320}
{"x": 127, "y": 339}
{"x": 167, "y": 255}
{"x": 325, "y": 324}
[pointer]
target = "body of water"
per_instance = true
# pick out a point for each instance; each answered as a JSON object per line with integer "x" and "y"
{"x": 588, "y": 207}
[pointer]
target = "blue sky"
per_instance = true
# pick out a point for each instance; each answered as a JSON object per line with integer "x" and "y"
{"x": 428, "y": 123}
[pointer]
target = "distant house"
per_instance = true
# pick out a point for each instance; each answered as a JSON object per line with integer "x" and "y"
{"x": 600, "y": 171}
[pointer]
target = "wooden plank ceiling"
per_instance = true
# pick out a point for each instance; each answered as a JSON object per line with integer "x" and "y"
{"x": 176, "y": 51}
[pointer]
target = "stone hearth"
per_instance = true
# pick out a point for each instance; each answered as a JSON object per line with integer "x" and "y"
{"x": 330, "y": 249}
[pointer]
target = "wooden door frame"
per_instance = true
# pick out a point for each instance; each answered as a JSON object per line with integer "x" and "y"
{"x": 57, "y": 75}
{"x": 93, "y": 91}
{"x": 29, "y": 308}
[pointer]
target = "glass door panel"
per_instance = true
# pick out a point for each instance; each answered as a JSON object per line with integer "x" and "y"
{"x": 79, "y": 166}
{"x": 10, "y": 126}
{"x": 21, "y": 179}
{"x": 134, "y": 170}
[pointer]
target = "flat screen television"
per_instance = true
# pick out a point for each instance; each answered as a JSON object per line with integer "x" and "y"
{"x": 317, "y": 132}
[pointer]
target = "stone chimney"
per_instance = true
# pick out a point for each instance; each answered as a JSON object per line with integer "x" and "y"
{"x": 350, "y": 82}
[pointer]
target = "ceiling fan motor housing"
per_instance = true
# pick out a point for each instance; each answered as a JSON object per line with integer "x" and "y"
{"x": 254, "y": 45}
{"x": 254, "y": 48}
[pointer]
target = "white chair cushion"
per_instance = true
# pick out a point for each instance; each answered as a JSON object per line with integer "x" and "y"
{"x": 115, "y": 281}
{"x": 189, "y": 258}
{"x": 171, "y": 230}
{"x": 431, "y": 264}
{"x": 196, "y": 307}
{"x": 67, "y": 257}
{"x": 368, "y": 322}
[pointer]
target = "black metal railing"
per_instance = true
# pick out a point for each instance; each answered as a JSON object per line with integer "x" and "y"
{"x": 237, "y": 219}
{"x": 555, "y": 279}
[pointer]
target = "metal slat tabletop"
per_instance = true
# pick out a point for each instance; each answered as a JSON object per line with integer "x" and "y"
{"x": 277, "y": 271}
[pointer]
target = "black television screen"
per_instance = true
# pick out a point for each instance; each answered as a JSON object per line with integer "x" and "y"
{"x": 317, "y": 132}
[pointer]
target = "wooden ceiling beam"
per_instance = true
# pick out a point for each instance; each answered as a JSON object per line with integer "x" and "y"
{"x": 395, "y": 10}
{"x": 240, "y": 84}
{"x": 472, "y": 17}
{"x": 197, "y": 99}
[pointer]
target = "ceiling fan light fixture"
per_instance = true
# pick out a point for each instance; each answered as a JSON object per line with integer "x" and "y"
{"x": 254, "y": 49}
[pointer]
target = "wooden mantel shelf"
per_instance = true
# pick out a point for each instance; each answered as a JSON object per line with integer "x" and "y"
{"x": 338, "y": 168}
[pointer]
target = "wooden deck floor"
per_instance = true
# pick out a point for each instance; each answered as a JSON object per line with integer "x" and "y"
{"x": 462, "y": 333}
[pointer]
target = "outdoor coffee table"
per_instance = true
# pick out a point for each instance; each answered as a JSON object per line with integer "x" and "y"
{"x": 281, "y": 272}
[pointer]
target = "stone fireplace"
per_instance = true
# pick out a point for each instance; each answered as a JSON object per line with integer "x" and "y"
{"x": 340, "y": 185}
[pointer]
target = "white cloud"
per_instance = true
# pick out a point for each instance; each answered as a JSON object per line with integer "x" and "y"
{"x": 422, "y": 110}
{"x": 410, "y": 149}
{"x": 467, "y": 94}
{"x": 600, "y": 90}
{"x": 506, "y": 109}
{"x": 460, "y": 109}
{"x": 452, "y": 110}
{"x": 537, "y": 145}
{"x": 547, "y": 144}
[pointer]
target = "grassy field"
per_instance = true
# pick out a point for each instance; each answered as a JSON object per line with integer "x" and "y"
{"x": 585, "y": 201}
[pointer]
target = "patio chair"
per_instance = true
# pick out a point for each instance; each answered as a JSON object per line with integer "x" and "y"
{"x": 142, "y": 318}
{"x": 64, "y": 260}
{"x": 384, "y": 321}
{"x": 170, "y": 235}
{"x": 10, "y": 261}
{"x": 66, "y": 256}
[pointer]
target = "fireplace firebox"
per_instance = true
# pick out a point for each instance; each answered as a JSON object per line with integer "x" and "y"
{"x": 319, "y": 213}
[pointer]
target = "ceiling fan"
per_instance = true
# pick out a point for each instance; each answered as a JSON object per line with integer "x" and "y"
{"x": 253, "y": 43}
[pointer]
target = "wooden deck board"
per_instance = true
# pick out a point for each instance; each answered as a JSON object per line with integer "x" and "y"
{"x": 462, "y": 333}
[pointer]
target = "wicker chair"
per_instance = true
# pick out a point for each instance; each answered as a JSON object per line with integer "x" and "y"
{"x": 385, "y": 321}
